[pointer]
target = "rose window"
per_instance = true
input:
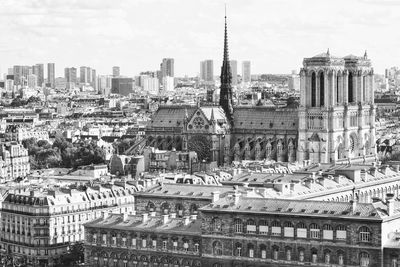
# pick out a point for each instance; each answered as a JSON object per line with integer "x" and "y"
{"x": 198, "y": 123}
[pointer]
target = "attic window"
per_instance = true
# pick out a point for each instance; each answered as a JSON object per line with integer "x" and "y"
{"x": 271, "y": 125}
{"x": 303, "y": 210}
{"x": 373, "y": 214}
{"x": 294, "y": 123}
{"x": 249, "y": 207}
{"x": 325, "y": 212}
{"x": 290, "y": 210}
{"x": 278, "y": 209}
{"x": 225, "y": 206}
{"x": 261, "y": 123}
{"x": 169, "y": 121}
{"x": 358, "y": 213}
{"x": 345, "y": 212}
{"x": 316, "y": 211}
{"x": 332, "y": 212}
{"x": 282, "y": 123}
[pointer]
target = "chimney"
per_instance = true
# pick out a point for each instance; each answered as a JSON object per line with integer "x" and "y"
{"x": 308, "y": 183}
{"x": 124, "y": 216}
{"x": 104, "y": 214}
{"x": 173, "y": 215}
{"x": 153, "y": 214}
{"x": 165, "y": 218}
{"x": 236, "y": 196}
{"x": 133, "y": 212}
{"x": 193, "y": 217}
{"x": 390, "y": 204}
{"x": 396, "y": 168}
{"x": 187, "y": 220}
{"x": 145, "y": 217}
{"x": 320, "y": 173}
{"x": 215, "y": 196}
{"x": 373, "y": 171}
{"x": 384, "y": 169}
{"x": 313, "y": 175}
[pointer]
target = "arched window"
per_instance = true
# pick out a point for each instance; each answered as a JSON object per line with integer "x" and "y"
{"x": 313, "y": 90}
{"x": 393, "y": 262}
{"x": 179, "y": 210}
{"x": 350, "y": 88}
{"x": 215, "y": 224}
{"x": 276, "y": 228}
{"x": 327, "y": 232}
{"x": 364, "y": 234}
{"x": 364, "y": 259}
{"x": 327, "y": 257}
{"x": 321, "y": 89}
{"x": 301, "y": 230}
{"x": 301, "y": 255}
{"x": 341, "y": 233}
{"x": 263, "y": 251}
{"x": 217, "y": 248}
{"x": 314, "y": 231}
{"x": 288, "y": 253}
{"x": 238, "y": 249}
{"x": 238, "y": 226}
{"x": 250, "y": 249}
{"x": 337, "y": 89}
{"x": 288, "y": 229}
{"x": 340, "y": 257}
{"x": 314, "y": 256}
{"x": 364, "y": 86}
{"x": 263, "y": 227}
{"x": 275, "y": 252}
{"x": 251, "y": 227}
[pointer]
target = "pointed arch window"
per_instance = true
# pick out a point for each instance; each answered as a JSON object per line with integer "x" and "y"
{"x": 350, "y": 88}
{"x": 321, "y": 89}
{"x": 313, "y": 90}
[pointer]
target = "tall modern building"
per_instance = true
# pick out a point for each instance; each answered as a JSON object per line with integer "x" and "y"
{"x": 104, "y": 84}
{"x": 116, "y": 71}
{"x": 70, "y": 77}
{"x": 167, "y": 67}
{"x": 83, "y": 75}
{"x": 233, "y": 64}
{"x": 38, "y": 70}
{"x": 207, "y": 70}
{"x": 51, "y": 74}
{"x": 93, "y": 80}
{"x": 21, "y": 75}
{"x": 32, "y": 81}
{"x": 246, "y": 72}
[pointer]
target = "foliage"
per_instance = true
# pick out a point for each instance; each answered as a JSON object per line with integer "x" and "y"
{"x": 62, "y": 153}
{"x": 18, "y": 101}
{"x": 123, "y": 144}
{"x": 73, "y": 257}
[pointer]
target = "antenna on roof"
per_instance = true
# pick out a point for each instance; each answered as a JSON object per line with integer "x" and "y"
{"x": 327, "y": 53}
{"x": 365, "y": 55}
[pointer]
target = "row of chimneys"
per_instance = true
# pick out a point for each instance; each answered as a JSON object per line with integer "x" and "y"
{"x": 145, "y": 216}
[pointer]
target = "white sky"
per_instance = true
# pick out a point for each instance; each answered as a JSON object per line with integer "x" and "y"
{"x": 275, "y": 35}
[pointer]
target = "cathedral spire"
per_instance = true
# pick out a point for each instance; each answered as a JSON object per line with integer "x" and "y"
{"x": 225, "y": 99}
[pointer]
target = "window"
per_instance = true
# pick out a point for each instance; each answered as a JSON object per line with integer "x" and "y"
{"x": 133, "y": 242}
{"x": 314, "y": 231}
{"x": 340, "y": 258}
{"x": 124, "y": 241}
{"x": 186, "y": 246}
{"x": 263, "y": 250}
{"x": 327, "y": 232}
{"x": 314, "y": 256}
{"x": 364, "y": 259}
{"x": 175, "y": 244}
{"x": 288, "y": 230}
{"x": 144, "y": 243}
{"x": 263, "y": 227}
{"x": 250, "y": 249}
{"x": 364, "y": 234}
{"x": 313, "y": 90}
{"x": 341, "y": 233}
{"x": 327, "y": 257}
{"x": 301, "y": 230}
{"x": 104, "y": 239}
{"x": 393, "y": 262}
{"x": 238, "y": 226}
{"x": 251, "y": 227}
{"x": 164, "y": 244}
{"x": 215, "y": 224}
{"x": 275, "y": 228}
{"x": 238, "y": 249}
{"x": 154, "y": 243}
{"x": 217, "y": 248}
{"x": 196, "y": 247}
{"x": 301, "y": 255}
{"x": 321, "y": 89}
{"x": 288, "y": 254}
{"x": 350, "y": 87}
{"x": 275, "y": 253}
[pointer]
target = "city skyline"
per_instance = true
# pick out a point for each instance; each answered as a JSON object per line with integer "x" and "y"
{"x": 273, "y": 35}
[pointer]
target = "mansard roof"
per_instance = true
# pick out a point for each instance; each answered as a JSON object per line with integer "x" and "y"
{"x": 265, "y": 118}
{"x": 370, "y": 211}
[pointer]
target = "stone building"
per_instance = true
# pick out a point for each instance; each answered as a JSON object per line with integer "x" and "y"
{"x": 335, "y": 121}
{"x": 14, "y": 161}
{"x": 18, "y": 133}
{"x": 38, "y": 226}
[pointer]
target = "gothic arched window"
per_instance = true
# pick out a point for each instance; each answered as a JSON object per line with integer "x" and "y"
{"x": 321, "y": 89}
{"x": 350, "y": 88}
{"x": 313, "y": 90}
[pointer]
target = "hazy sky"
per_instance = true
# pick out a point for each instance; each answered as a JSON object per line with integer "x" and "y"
{"x": 275, "y": 35}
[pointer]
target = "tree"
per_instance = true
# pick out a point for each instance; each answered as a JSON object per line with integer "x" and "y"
{"x": 73, "y": 257}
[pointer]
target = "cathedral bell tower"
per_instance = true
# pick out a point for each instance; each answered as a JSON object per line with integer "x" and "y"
{"x": 337, "y": 111}
{"x": 225, "y": 98}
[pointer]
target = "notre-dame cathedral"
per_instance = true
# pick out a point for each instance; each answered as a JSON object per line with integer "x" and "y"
{"x": 335, "y": 121}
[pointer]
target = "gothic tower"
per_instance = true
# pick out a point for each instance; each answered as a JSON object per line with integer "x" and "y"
{"x": 337, "y": 111}
{"x": 225, "y": 98}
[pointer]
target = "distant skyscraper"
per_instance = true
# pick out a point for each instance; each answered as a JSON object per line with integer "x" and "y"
{"x": 21, "y": 75}
{"x": 93, "y": 81}
{"x": 167, "y": 67}
{"x": 246, "y": 71}
{"x": 168, "y": 84}
{"x": 51, "y": 74}
{"x": 83, "y": 75}
{"x": 233, "y": 64}
{"x": 104, "y": 84}
{"x": 32, "y": 81}
{"x": 116, "y": 71}
{"x": 38, "y": 70}
{"x": 207, "y": 70}
{"x": 151, "y": 84}
{"x": 70, "y": 77}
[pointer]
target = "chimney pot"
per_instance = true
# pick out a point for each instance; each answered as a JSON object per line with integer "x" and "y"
{"x": 187, "y": 220}
{"x": 145, "y": 217}
{"x": 165, "y": 218}
{"x": 215, "y": 196}
{"x": 193, "y": 217}
{"x": 173, "y": 215}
